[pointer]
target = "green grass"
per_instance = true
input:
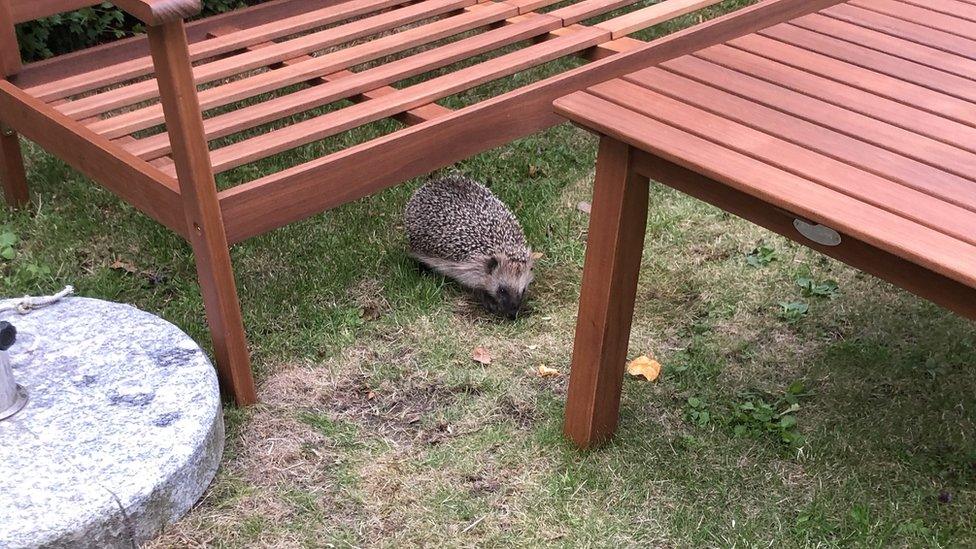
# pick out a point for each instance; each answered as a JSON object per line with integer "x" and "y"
{"x": 377, "y": 429}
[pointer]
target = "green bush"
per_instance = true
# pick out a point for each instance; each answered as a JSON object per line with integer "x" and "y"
{"x": 90, "y": 26}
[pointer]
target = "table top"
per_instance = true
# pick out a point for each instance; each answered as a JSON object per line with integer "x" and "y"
{"x": 861, "y": 117}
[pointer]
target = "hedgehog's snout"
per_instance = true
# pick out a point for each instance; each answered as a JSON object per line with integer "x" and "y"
{"x": 504, "y": 302}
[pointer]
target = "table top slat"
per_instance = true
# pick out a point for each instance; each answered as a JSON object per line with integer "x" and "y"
{"x": 902, "y": 200}
{"x": 908, "y": 30}
{"x": 843, "y": 94}
{"x": 903, "y": 237}
{"x": 879, "y": 84}
{"x": 861, "y": 117}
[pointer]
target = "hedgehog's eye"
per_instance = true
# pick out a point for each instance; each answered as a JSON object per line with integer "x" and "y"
{"x": 503, "y": 292}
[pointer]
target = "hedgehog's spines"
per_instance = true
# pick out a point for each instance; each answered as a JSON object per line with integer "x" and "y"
{"x": 460, "y": 229}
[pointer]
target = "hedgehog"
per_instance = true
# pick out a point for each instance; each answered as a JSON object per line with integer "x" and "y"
{"x": 458, "y": 228}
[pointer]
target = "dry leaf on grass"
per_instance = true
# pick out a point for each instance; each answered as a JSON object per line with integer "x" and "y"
{"x": 538, "y": 255}
{"x": 545, "y": 371}
{"x": 644, "y": 366}
{"x": 481, "y": 355}
{"x": 124, "y": 266}
{"x": 584, "y": 207}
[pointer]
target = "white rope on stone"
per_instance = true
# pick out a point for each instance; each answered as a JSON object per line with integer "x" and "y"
{"x": 28, "y": 303}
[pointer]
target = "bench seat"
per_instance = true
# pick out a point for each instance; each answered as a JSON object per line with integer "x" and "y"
{"x": 179, "y": 123}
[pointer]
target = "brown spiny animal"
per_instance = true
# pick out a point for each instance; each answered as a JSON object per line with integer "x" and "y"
{"x": 458, "y": 228}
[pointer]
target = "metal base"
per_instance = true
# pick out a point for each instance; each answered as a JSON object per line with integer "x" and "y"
{"x": 18, "y": 404}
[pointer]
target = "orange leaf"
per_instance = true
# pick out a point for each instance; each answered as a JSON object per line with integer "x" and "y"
{"x": 481, "y": 355}
{"x": 545, "y": 371}
{"x": 644, "y": 366}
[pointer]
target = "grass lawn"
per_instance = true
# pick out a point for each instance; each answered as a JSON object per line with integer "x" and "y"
{"x": 802, "y": 404}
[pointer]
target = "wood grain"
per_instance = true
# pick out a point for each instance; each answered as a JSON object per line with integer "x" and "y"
{"x": 9, "y": 50}
{"x": 890, "y": 232}
{"x": 425, "y": 92}
{"x": 129, "y": 178}
{"x": 314, "y": 67}
{"x": 652, "y": 15}
{"x": 613, "y": 256}
{"x": 273, "y": 201}
{"x": 877, "y": 61}
{"x": 899, "y": 113}
{"x": 943, "y": 291}
{"x": 255, "y": 59}
{"x": 907, "y": 30}
{"x": 858, "y": 77}
{"x": 28, "y": 10}
{"x": 202, "y": 212}
{"x": 904, "y": 200}
{"x": 115, "y": 72}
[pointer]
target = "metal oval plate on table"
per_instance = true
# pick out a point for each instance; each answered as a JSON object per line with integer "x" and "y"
{"x": 821, "y": 234}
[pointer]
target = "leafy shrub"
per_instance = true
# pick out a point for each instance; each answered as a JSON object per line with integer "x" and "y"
{"x": 86, "y": 27}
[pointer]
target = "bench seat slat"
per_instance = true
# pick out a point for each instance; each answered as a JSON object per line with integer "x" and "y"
{"x": 142, "y": 66}
{"x": 651, "y": 15}
{"x": 353, "y": 116}
{"x": 312, "y": 67}
{"x": 303, "y": 100}
{"x": 259, "y": 58}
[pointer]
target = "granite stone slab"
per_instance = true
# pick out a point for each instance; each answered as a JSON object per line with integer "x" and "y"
{"x": 122, "y": 433}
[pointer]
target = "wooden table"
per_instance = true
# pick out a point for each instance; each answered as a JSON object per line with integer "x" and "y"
{"x": 851, "y": 130}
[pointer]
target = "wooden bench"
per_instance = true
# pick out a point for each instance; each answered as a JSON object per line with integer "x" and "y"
{"x": 851, "y": 130}
{"x": 154, "y": 119}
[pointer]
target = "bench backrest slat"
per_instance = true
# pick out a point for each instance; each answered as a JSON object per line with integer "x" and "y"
{"x": 28, "y": 10}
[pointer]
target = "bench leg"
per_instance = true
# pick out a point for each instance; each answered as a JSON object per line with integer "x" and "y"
{"x": 613, "y": 254}
{"x": 12, "y": 173}
{"x": 198, "y": 190}
{"x": 216, "y": 275}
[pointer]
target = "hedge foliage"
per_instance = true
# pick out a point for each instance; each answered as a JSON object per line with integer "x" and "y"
{"x": 90, "y": 26}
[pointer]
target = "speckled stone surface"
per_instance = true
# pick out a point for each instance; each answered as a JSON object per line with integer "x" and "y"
{"x": 122, "y": 433}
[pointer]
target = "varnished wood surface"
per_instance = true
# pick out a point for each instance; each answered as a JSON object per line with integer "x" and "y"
{"x": 287, "y": 57}
{"x": 850, "y": 118}
{"x": 201, "y": 210}
{"x": 806, "y": 120}
{"x": 613, "y": 255}
{"x": 278, "y": 199}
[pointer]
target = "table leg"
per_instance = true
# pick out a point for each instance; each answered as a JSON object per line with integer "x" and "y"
{"x": 613, "y": 255}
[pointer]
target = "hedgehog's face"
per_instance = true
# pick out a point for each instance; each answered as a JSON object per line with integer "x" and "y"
{"x": 506, "y": 284}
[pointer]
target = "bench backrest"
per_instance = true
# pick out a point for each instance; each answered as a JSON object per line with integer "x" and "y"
{"x": 28, "y": 10}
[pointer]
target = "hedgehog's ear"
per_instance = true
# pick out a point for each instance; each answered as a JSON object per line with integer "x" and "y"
{"x": 491, "y": 263}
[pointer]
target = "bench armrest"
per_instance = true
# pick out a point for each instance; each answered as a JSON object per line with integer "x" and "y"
{"x": 158, "y": 12}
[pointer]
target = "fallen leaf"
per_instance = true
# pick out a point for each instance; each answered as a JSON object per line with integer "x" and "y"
{"x": 481, "y": 355}
{"x": 644, "y": 366}
{"x": 538, "y": 255}
{"x": 123, "y": 266}
{"x": 545, "y": 371}
{"x": 584, "y": 207}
